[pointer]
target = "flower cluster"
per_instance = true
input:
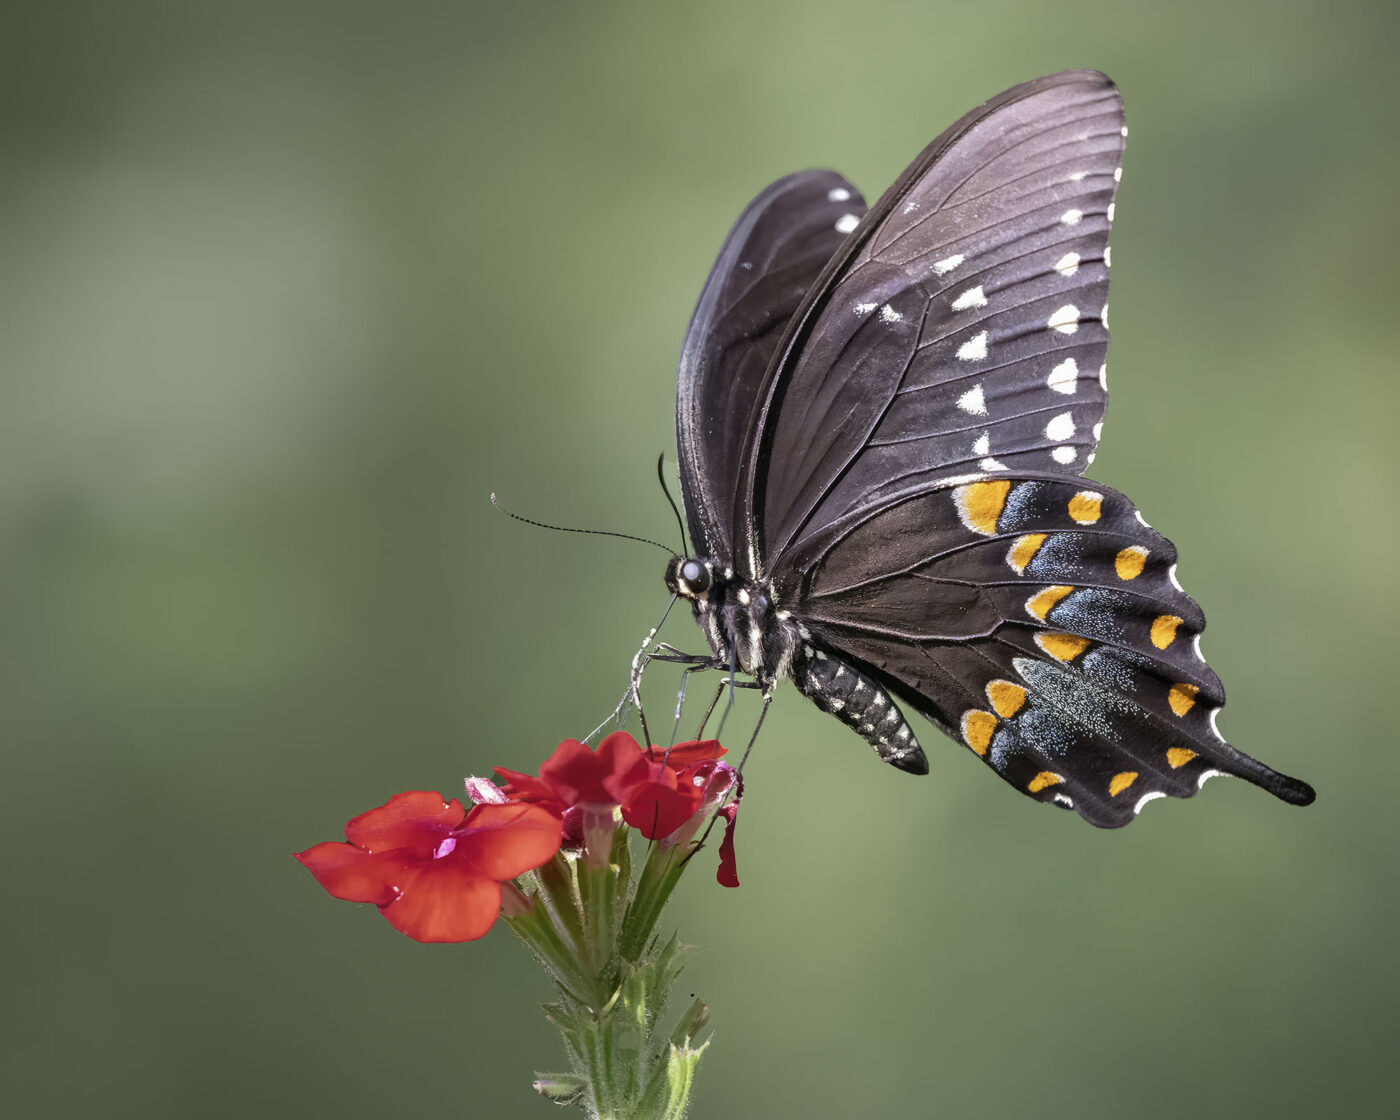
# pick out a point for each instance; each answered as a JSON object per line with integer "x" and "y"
{"x": 550, "y": 854}
{"x": 439, "y": 872}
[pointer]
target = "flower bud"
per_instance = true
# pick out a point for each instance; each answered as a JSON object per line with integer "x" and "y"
{"x": 484, "y": 791}
{"x": 561, "y": 1088}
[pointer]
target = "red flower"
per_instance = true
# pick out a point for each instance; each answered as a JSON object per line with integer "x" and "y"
{"x": 663, "y": 804}
{"x": 664, "y": 794}
{"x": 433, "y": 869}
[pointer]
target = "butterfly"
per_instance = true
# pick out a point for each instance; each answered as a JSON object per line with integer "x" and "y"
{"x": 883, "y": 416}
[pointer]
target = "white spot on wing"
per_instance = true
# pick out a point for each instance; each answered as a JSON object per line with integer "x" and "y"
{"x": 947, "y": 264}
{"x": 1196, "y": 647}
{"x": 975, "y": 348}
{"x": 1142, "y": 520}
{"x": 973, "y": 401}
{"x": 993, "y": 465}
{"x": 1076, "y": 176}
{"x": 1117, "y": 174}
{"x": 838, "y": 194}
{"x": 973, "y": 297}
{"x": 1065, "y": 455}
{"x": 1064, "y": 377}
{"x": 1060, "y": 428}
{"x": 1067, "y": 265}
{"x": 890, "y": 315}
{"x": 865, "y": 308}
{"x": 982, "y": 445}
{"x": 1109, "y": 213}
{"x": 1171, "y": 575}
{"x": 1103, "y": 378}
{"x": 1065, "y": 799}
{"x": 1103, "y": 316}
{"x": 1098, "y": 431}
{"x": 847, "y": 222}
{"x": 1065, "y": 320}
{"x": 1207, "y": 775}
{"x": 1072, "y": 217}
{"x": 1145, "y": 798}
{"x": 1107, "y": 257}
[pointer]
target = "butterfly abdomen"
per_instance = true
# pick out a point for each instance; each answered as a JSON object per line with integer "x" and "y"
{"x": 860, "y": 703}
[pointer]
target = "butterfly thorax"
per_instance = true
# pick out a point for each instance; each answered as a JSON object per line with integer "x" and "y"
{"x": 739, "y": 617}
{"x": 748, "y": 630}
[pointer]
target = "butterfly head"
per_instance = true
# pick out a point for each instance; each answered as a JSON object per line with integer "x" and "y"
{"x": 690, "y": 578}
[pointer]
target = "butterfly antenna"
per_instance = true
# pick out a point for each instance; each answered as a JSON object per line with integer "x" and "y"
{"x": 661, "y": 476}
{"x": 569, "y": 529}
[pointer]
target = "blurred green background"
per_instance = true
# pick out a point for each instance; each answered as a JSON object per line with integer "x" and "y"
{"x": 288, "y": 288}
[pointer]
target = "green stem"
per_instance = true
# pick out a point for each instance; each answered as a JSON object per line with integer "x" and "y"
{"x": 594, "y": 928}
{"x": 660, "y": 874}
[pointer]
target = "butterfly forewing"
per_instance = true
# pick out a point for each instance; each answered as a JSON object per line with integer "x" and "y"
{"x": 964, "y": 328}
{"x": 769, "y": 262}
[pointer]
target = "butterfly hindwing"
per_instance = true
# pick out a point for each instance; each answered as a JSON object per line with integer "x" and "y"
{"x": 1040, "y": 621}
{"x": 963, "y": 326}
{"x": 769, "y": 261}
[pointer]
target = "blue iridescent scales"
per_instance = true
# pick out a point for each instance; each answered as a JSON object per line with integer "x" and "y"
{"x": 883, "y": 418}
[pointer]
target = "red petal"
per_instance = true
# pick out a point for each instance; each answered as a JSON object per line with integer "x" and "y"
{"x": 417, "y": 820}
{"x": 524, "y": 787}
{"x": 445, "y": 901}
{"x": 628, "y": 768}
{"x": 661, "y": 807}
{"x": 569, "y": 773}
{"x": 351, "y": 873}
{"x": 578, "y": 776}
{"x": 728, "y": 875}
{"x": 684, "y": 754}
{"x": 503, "y": 841}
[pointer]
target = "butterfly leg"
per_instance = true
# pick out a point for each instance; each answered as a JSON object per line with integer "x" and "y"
{"x": 762, "y": 715}
{"x": 680, "y": 696}
{"x": 733, "y": 796}
{"x": 670, "y": 654}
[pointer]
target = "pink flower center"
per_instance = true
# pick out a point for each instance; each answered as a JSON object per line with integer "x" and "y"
{"x": 445, "y": 848}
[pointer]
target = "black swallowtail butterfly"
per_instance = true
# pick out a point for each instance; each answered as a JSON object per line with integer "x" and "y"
{"x": 882, "y": 418}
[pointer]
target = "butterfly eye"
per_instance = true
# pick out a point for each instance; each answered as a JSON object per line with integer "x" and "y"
{"x": 695, "y": 577}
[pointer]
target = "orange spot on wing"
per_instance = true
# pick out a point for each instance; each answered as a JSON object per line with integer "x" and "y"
{"x": 1164, "y": 630}
{"x": 1128, "y": 563}
{"x": 980, "y": 504}
{"x": 1182, "y": 697}
{"x": 1177, "y": 757}
{"x": 1062, "y": 647}
{"x": 977, "y": 729}
{"x": 1086, "y": 507}
{"x": 1006, "y": 698}
{"x": 1040, "y": 603}
{"x": 1120, "y": 782}
{"x": 1023, "y": 551}
{"x": 1044, "y": 780}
